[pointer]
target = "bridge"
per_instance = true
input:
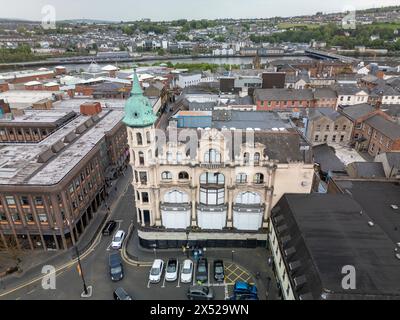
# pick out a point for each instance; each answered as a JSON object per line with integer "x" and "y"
{"x": 324, "y": 55}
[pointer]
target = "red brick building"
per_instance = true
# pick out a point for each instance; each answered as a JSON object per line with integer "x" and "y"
{"x": 280, "y": 99}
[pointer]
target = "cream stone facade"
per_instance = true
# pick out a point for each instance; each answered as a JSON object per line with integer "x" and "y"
{"x": 209, "y": 186}
{"x": 206, "y": 190}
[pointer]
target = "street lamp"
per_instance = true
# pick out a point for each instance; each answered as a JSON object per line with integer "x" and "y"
{"x": 154, "y": 250}
{"x": 87, "y": 292}
{"x": 233, "y": 251}
{"x": 187, "y": 243}
{"x": 268, "y": 286}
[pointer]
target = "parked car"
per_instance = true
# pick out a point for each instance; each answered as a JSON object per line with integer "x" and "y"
{"x": 121, "y": 294}
{"x": 116, "y": 269}
{"x": 109, "y": 228}
{"x": 118, "y": 240}
{"x": 156, "y": 271}
{"x": 171, "y": 273}
{"x": 219, "y": 272}
{"x": 202, "y": 270}
{"x": 247, "y": 296}
{"x": 200, "y": 293}
{"x": 187, "y": 271}
{"x": 244, "y": 288}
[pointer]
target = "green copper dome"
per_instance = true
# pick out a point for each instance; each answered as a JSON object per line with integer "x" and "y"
{"x": 138, "y": 109}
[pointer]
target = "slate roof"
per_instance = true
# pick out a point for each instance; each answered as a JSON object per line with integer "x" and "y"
{"x": 325, "y": 156}
{"x": 365, "y": 170}
{"x": 322, "y": 233}
{"x": 283, "y": 94}
{"x": 386, "y": 127}
{"x": 357, "y": 111}
{"x": 325, "y": 93}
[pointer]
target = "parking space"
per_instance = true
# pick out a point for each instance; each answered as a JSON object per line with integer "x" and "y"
{"x": 234, "y": 273}
{"x": 180, "y": 288}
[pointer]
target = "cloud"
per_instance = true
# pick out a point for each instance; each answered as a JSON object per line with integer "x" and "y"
{"x": 117, "y": 10}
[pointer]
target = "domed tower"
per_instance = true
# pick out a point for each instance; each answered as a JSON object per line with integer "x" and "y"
{"x": 139, "y": 119}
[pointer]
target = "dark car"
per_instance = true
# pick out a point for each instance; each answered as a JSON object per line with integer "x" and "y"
{"x": 109, "y": 228}
{"x": 121, "y": 294}
{"x": 219, "y": 273}
{"x": 116, "y": 269}
{"x": 202, "y": 271}
{"x": 244, "y": 296}
{"x": 200, "y": 293}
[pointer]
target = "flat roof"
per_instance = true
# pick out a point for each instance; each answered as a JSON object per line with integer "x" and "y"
{"x": 19, "y": 164}
{"x": 38, "y": 116}
{"x": 25, "y": 98}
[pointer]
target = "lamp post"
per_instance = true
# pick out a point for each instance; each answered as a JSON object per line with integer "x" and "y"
{"x": 233, "y": 251}
{"x": 80, "y": 271}
{"x": 187, "y": 243}
{"x": 268, "y": 286}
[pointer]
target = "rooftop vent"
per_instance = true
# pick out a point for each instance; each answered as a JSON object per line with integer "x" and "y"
{"x": 282, "y": 228}
{"x": 70, "y": 137}
{"x": 294, "y": 265}
{"x": 371, "y": 224}
{"x": 57, "y": 147}
{"x": 300, "y": 281}
{"x": 289, "y": 252}
{"x": 81, "y": 129}
{"x": 45, "y": 156}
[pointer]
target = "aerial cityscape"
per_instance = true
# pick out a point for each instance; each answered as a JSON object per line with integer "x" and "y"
{"x": 224, "y": 152}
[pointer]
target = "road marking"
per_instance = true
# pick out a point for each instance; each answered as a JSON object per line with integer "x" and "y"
{"x": 165, "y": 276}
{"x": 194, "y": 272}
{"x": 179, "y": 275}
{"x": 226, "y": 292}
{"x": 69, "y": 264}
{"x": 32, "y": 291}
{"x": 19, "y": 298}
{"x": 209, "y": 274}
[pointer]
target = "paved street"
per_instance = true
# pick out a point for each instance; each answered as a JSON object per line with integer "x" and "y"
{"x": 95, "y": 267}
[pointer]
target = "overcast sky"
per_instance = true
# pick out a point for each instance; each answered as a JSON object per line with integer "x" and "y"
{"x": 117, "y": 10}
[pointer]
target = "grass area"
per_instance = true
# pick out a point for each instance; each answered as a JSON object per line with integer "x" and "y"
{"x": 287, "y": 25}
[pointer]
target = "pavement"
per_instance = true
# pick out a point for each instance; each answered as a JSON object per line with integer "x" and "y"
{"x": 242, "y": 265}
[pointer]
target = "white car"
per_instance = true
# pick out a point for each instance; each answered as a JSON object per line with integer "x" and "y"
{"x": 118, "y": 240}
{"x": 187, "y": 271}
{"x": 156, "y": 271}
{"x": 171, "y": 273}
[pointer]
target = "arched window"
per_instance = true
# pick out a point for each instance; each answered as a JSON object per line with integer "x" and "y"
{"x": 246, "y": 158}
{"x": 212, "y": 178}
{"x": 148, "y": 137}
{"x": 141, "y": 158}
{"x": 166, "y": 175}
{"x": 241, "y": 178}
{"x": 248, "y": 198}
{"x": 212, "y": 156}
{"x": 259, "y": 178}
{"x": 176, "y": 196}
{"x": 257, "y": 158}
{"x": 183, "y": 175}
{"x": 139, "y": 139}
